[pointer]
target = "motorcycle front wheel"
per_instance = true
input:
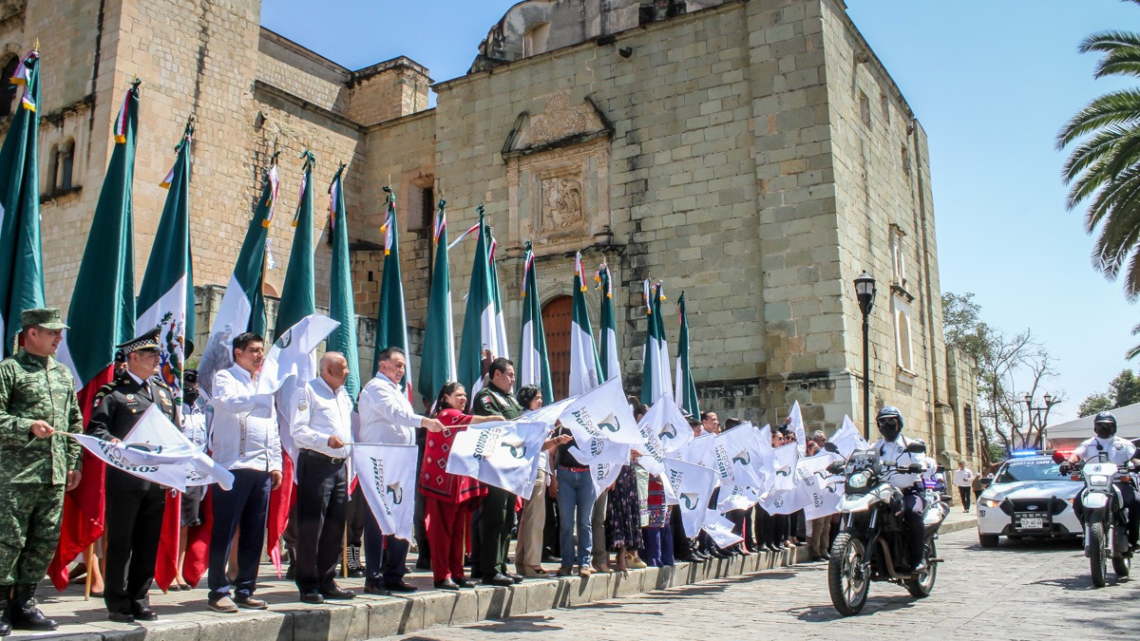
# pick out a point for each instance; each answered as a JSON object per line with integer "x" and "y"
{"x": 1098, "y": 561}
{"x": 847, "y": 580}
{"x": 922, "y": 585}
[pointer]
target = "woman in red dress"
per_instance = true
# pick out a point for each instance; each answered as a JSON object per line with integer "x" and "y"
{"x": 449, "y": 498}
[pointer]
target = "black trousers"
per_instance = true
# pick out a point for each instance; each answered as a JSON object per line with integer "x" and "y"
{"x": 134, "y": 526}
{"x": 357, "y": 513}
{"x": 495, "y": 531}
{"x": 964, "y": 492}
{"x": 913, "y": 507}
{"x": 765, "y": 528}
{"x": 422, "y": 546}
{"x": 322, "y": 495}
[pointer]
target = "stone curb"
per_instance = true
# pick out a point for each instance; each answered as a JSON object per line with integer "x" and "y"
{"x": 368, "y": 617}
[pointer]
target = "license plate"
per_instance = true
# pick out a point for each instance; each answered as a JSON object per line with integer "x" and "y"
{"x": 1031, "y": 523}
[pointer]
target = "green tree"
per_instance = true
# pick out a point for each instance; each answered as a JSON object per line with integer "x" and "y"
{"x": 1122, "y": 390}
{"x": 1104, "y": 167}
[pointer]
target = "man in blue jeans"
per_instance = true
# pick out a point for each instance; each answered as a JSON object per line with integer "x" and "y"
{"x": 244, "y": 439}
{"x": 576, "y": 496}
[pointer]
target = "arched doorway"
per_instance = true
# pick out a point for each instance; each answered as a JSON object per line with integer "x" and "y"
{"x": 556, "y": 324}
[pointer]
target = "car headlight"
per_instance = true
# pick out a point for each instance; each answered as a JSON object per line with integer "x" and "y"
{"x": 858, "y": 480}
{"x": 989, "y": 502}
{"x": 1098, "y": 480}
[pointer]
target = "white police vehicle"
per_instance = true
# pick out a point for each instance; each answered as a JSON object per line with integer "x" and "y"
{"x": 1029, "y": 498}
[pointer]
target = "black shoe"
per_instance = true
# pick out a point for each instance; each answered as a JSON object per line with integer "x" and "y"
{"x": 826, "y": 555}
{"x": 773, "y": 548}
{"x": 476, "y": 574}
{"x": 517, "y": 578}
{"x": 25, "y": 614}
{"x": 499, "y": 580}
{"x": 423, "y": 563}
{"x": 337, "y": 593}
{"x": 920, "y": 567}
{"x": 376, "y": 590}
{"x": 143, "y": 613}
{"x": 447, "y": 584}
{"x": 313, "y": 598}
{"x": 464, "y": 583}
{"x": 121, "y": 617}
{"x": 400, "y": 587}
{"x": 291, "y": 573}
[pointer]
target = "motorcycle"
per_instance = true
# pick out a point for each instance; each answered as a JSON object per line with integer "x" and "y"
{"x": 871, "y": 545}
{"x": 1104, "y": 518}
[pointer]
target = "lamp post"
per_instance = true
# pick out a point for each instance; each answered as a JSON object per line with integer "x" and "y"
{"x": 1038, "y": 417}
{"x": 865, "y": 291}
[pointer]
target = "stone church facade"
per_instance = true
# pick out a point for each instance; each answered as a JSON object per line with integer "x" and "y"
{"x": 755, "y": 155}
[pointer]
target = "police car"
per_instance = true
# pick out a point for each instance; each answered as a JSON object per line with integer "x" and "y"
{"x": 1029, "y": 498}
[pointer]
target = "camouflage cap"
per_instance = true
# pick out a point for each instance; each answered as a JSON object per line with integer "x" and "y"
{"x": 47, "y": 318}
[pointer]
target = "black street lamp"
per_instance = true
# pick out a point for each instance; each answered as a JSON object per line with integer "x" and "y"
{"x": 1038, "y": 418}
{"x": 865, "y": 291}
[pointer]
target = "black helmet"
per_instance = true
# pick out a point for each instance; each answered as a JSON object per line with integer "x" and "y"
{"x": 1104, "y": 425}
{"x": 890, "y": 422}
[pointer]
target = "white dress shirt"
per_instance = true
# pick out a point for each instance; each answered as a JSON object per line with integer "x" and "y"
{"x": 195, "y": 424}
{"x": 386, "y": 414}
{"x": 894, "y": 453}
{"x": 1118, "y": 450}
{"x": 244, "y": 429}
{"x": 963, "y": 477}
{"x": 320, "y": 413}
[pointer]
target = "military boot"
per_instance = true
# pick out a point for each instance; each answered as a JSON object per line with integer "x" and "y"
{"x": 25, "y": 614}
{"x": 5, "y": 605}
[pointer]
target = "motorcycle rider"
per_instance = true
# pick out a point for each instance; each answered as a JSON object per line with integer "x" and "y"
{"x": 1120, "y": 452}
{"x": 892, "y": 451}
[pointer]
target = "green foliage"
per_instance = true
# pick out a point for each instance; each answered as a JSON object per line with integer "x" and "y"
{"x": 1122, "y": 390}
{"x": 963, "y": 327}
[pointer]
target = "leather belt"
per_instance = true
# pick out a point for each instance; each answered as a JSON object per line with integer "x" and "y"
{"x": 574, "y": 469}
{"x": 324, "y": 457}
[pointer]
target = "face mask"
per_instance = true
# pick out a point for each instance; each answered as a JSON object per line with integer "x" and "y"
{"x": 890, "y": 431}
{"x": 1103, "y": 430}
{"x": 190, "y": 395}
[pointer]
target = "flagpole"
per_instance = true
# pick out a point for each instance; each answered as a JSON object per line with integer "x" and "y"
{"x": 344, "y": 556}
{"x": 91, "y": 564}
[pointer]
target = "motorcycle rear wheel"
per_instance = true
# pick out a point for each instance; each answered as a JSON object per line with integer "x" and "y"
{"x": 922, "y": 585}
{"x": 847, "y": 581}
{"x": 1098, "y": 561}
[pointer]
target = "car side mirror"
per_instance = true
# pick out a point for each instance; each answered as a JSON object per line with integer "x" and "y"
{"x": 916, "y": 447}
{"x": 831, "y": 447}
{"x": 987, "y": 482}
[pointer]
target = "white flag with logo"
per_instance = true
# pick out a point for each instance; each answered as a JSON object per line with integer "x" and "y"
{"x": 290, "y": 356}
{"x": 387, "y": 476}
{"x": 848, "y": 439}
{"x": 503, "y": 454}
{"x": 816, "y": 495}
{"x": 700, "y": 449}
{"x": 669, "y": 424}
{"x": 694, "y": 485}
{"x": 780, "y": 497}
{"x": 737, "y": 456}
{"x": 602, "y": 412}
{"x": 736, "y": 497}
{"x": 796, "y": 421}
{"x": 720, "y": 530}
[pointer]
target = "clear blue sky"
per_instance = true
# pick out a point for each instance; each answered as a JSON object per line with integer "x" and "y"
{"x": 991, "y": 82}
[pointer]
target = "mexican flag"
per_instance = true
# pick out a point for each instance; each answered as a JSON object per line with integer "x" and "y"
{"x": 21, "y": 259}
{"x": 341, "y": 305}
{"x": 392, "y": 318}
{"x": 437, "y": 367}
{"x": 583, "y": 354}
{"x": 480, "y": 339}
{"x": 243, "y": 305}
{"x": 500, "y": 318}
{"x": 686, "y": 391}
{"x": 652, "y": 385}
{"x": 611, "y": 364}
{"x": 298, "y": 300}
{"x": 101, "y": 315}
{"x": 534, "y": 366}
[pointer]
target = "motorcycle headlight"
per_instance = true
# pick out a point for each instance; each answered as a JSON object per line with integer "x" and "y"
{"x": 858, "y": 480}
{"x": 1098, "y": 480}
{"x": 989, "y": 503}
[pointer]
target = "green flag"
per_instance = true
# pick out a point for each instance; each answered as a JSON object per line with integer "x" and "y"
{"x": 480, "y": 339}
{"x": 610, "y": 362}
{"x": 298, "y": 294}
{"x": 584, "y": 365}
{"x": 534, "y": 366}
{"x": 686, "y": 390}
{"x": 21, "y": 258}
{"x": 342, "y": 307}
{"x": 438, "y": 364}
{"x": 497, "y": 296}
{"x": 392, "y": 319}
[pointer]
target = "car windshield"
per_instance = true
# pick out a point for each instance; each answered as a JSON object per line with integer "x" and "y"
{"x": 1037, "y": 469}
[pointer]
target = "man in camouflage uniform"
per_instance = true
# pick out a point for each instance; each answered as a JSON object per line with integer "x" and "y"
{"x": 37, "y": 400}
{"x": 497, "y": 512}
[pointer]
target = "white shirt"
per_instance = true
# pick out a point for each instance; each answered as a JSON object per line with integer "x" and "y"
{"x": 244, "y": 430}
{"x": 963, "y": 477}
{"x": 1119, "y": 450}
{"x": 894, "y": 453}
{"x": 320, "y": 413}
{"x": 386, "y": 414}
{"x": 195, "y": 424}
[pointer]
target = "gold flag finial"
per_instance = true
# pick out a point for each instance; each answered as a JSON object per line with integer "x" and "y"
{"x": 36, "y": 47}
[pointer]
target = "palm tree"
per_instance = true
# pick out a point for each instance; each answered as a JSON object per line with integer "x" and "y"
{"x": 1105, "y": 166}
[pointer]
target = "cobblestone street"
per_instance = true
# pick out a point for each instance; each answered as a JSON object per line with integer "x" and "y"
{"x": 1017, "y": 591}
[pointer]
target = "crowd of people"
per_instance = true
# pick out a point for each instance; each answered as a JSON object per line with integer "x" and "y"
{"x": 463, "y": 536}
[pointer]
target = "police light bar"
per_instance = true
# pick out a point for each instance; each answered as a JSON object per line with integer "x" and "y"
{"x": 1025, "y": 453}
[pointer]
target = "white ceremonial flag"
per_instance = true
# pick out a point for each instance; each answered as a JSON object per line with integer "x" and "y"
{"x": 503, "y": 454}
{"x": 817, "y": 496}
{"x": 694, "y": 486}
{"x": 847, "y": 438}
{"x": 700, "y": 450}
{"x": 154, "y": 430}
{"x": 602, "y": 412}
{"x": 796, "y": 420}
{"x": 669, "y": 424}
{"x": 738, "y": 456}
{"x": 290, "y": 356}
{"x": 387, "y": 476}
{"x": 720, "y": 530}
{"x": 738, "y": 497}
{"x": 784, "y": 460}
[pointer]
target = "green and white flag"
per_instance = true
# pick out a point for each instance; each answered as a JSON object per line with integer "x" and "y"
{"x": 583, "y": 354}
{"x": 392, "y": 319}
{"x": 298, "y": 294}
{"x": 656, "y": 377}
{"x": 21, "y": 256}
{"x": 243, "y": 305}
{"x": 437, "y": 367}
{"x": 166, "y": 297}
{"x": 500, "y": 317}
{"x": 341, "y": 305}
{"x": 480, "y": 339}
{"x": 610, "y": 362}
{"x": 102, "y": 311}
{"x": 534, "y": 366}
{"x": 686, "y": 390}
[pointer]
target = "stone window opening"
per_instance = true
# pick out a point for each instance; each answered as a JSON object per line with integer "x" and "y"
{"x": 8, "y": 99}
{"x": 905, "y": 154}
{"x": 421, "y": 203}
{"x": 62, "y": 164}
{"x": 885, "y": 104}
{"x": 968, "y": 416}
{"x": 898, "y": 257}
{"x": 865, "y": 109}
{"x": 535, "y": 39}
{"x": 904, "y": 344}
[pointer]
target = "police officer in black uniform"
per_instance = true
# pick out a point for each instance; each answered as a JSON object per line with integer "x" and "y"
{"x": 134, "y": 506}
